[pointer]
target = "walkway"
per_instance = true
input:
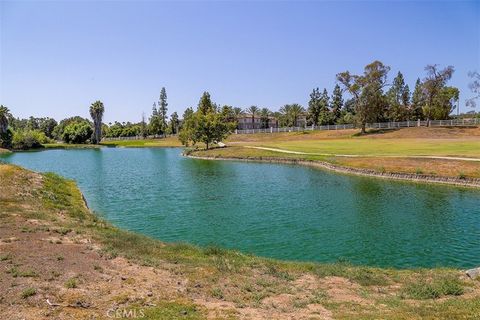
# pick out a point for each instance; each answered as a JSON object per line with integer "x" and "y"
{"x": 366, "y": 156}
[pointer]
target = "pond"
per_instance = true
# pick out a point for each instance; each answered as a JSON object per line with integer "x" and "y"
{"x": 281, "y": 211}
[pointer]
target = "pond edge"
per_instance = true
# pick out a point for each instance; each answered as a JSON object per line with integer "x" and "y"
{"x": 417, "y": 178}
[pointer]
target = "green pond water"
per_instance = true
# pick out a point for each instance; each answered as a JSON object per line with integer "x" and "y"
{"x": 281, "y": 211}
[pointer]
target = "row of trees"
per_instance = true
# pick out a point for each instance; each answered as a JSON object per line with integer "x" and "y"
{"x": 431, "y": 99}
{"x": 33, "y": 132}
{"x": 369, "y": 101}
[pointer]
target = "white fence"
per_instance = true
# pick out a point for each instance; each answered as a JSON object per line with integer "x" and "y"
{"x": 379, "y": 125}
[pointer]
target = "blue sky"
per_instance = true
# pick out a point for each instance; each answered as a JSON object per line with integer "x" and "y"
{"x": 58, "y": 57}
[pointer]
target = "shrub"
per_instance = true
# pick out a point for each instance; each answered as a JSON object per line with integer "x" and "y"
{"x": 78, "y": 132}
{"x": 71, "y": 283}
{"x": 28, "y": 139}
{"x": 28, "y": 292}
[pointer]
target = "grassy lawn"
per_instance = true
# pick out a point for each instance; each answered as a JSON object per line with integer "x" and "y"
{"x": 167, "y": 142}
{"x": 375, "y": 150}
{"x": 70, "y": 146}
{"x": 379, "y": 147}
{"x": 404, "y": 142}
{"x": 50, "y": 241}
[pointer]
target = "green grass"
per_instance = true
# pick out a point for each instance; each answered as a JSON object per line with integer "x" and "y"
{"x": 431, "y": 289}
{"x": 71, "y": 283}
{"x": 71, "y": 146}
{"x": 174, "y": 310}
{"x": 15, "y": 272}
{"x": 165, "y": 142}
{"x": 28, "y": 292}
{"x": 381, "y": 147}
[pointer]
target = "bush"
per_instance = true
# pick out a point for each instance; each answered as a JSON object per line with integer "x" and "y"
{"x": 78, "y": 132}
{"x": 28, "y": 292}
{"x": 6, "y": 139}
{"x": 29, "y": 139}
{"x": 60, "y": 128}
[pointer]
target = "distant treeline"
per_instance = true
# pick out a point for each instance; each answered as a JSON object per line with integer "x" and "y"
{"x": 355, "y": 98}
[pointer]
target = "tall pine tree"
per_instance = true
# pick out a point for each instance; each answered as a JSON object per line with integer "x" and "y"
{"x": 314, "y": 106}
{"x": 324, "y": 116}
{"x": 162, "y": 110}
{"x": 337, "y": 103}
{"x": 154, "y": 124}
{"x": 205, "y": 105}
{"x": 418, "y": 101}
{"x": 398, "y": 100}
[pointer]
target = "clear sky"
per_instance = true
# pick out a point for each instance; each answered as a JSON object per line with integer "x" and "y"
{"x": 58, "y": 57}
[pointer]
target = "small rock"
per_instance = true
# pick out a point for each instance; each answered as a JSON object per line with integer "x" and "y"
{"x": 473, "y": 273}
{"x": 183, "y": 312}
{"x": 124, "y": 278}
{"x": 149, "y": 294}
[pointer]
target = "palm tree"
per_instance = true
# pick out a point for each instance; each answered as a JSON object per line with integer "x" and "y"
{"x": 96, "y": 112}
{"x": 4, "y": 114}
{"x": 292, "y": 112}
{"x": 264, "y": 117}
{"x": 237, "y": 112}
{"x": 296, "y": 110}
{"x": 253, "y": 110}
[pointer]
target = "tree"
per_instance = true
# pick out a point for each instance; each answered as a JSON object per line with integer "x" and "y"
{"x": 59, "y": 129}
{"x": 4, "y": 115}
{"x": 174, "y": 122}
{"x": 29, "y": 139}
{"x": 253, "y": 110}
{"x": 205, "y": 105}
{"x": 238, "y": 112}
{"x": 337, "y": 103}
{"x": 324, "y": 116}
{"x": 291, "y": 112}
{"x": 143, "y": 127}
{"x": 206, "y": 125}
{"x": 228, "y": 114}
{"x": 416, "y": 108}
{"x": 445, "y": 103}
{"x": 5, "y": 133}
{"x": 187, "y": 131}
{"x": 367, "y": 91}
{"x": 162, "y": 110}
{"x": 433, "y": 86}
{"x": 398, "y": 99}
{"x": 187, "y": 113}
{"x": 475, "y": 87}
{"x": 47, "y": 125}
{"x": 96, "y": 112}
{"x": 314, "y": 106}
{"x": 265, "y": 118}
{"x": 154, "y": 124}
{"x": 77, "y": 132}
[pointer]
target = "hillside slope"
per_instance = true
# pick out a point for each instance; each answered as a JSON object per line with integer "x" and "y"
{"x": 59, "y": 261}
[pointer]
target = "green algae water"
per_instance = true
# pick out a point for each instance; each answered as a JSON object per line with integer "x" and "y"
{"x": 280, "y": 211}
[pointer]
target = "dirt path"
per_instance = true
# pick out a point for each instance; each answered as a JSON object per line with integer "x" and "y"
{"x": 364, "y": 156}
